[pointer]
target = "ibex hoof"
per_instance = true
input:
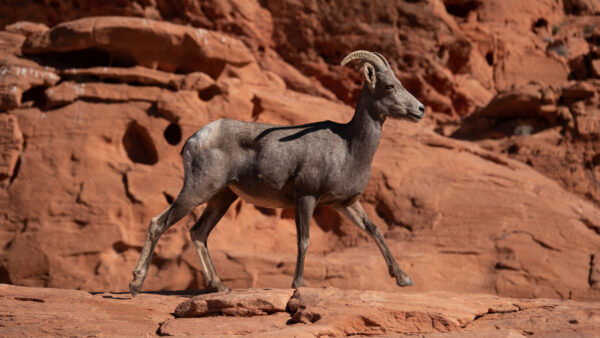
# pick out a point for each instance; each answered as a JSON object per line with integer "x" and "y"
{"x": 404, "y": 281}
{"x": 218, "y": 286}
{"x": 296, "y": 285}
{"x": 135, "y": 287}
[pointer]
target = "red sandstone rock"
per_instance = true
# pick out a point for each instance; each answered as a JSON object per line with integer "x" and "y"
{"x": 594, "y": 279}
{"x": 241, "y": 236}
{"x": 582, "y": 7}
{"x": 144, "y": 42}
{"x": 577, "y": 91}
{"x": 411, "y": 198}
{"x": 338, "y": 313}
{"x": 520, "y": 14}
{"x": 595, "y": 66}
{"x": 506, "y": 112}
{"x": 16, "y": 79}
{"x": 11, "y": 145}
{"x": 333, "y": 312}
{"x": 239, "y": 303}
{"x": 10, "y": 43}
{"x": 35, "y": 311}
{"x": 138, "y": 75}
{"x": 254, "y": 25}
{"x": 522, "y": 68}
{"x": 262, "y": 326}
{"x": 26, "y": 28}
{"x": 567, "y": 124}
{"x": 197, "y": 81}
{"x": 68, "y": 91}
{"x": 100, "y": 159}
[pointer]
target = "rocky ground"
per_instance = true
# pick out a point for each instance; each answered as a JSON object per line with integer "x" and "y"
{"x": 285, "y": 313}
{"x": 497, "y": 191}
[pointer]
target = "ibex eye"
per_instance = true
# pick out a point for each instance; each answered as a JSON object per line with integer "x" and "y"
{"x": 391, "y": 86}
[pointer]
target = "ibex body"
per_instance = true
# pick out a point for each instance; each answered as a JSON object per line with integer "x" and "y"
{"x": 322, "y": 163}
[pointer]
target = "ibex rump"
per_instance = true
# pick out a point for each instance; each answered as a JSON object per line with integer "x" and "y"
{"x": 281, "y": 167}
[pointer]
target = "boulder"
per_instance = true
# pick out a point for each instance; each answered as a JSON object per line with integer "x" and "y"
{"x": 69, "y": 91}
{"x": 26, "y": 28}
{"x": 524, "y": 109}
{"x": 143, "y": 42}
{"x": 16, "y": 79}
{"x": 239, "y": 303}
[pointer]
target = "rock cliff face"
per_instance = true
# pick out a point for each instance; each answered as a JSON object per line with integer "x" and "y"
{"x": 497, "y": 191}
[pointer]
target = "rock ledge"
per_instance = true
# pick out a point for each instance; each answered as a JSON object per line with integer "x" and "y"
{"x": 284, "y": 312}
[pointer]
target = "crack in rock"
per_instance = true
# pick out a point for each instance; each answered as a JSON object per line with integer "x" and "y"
{"x": 590, "y": 225}
{"x": 538, "y": 241}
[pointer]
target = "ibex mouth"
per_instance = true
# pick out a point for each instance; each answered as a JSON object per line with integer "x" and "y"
{"x": 415, "y": 117}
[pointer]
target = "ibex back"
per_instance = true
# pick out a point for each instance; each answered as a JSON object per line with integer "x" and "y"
{"x": 321, "y": 163}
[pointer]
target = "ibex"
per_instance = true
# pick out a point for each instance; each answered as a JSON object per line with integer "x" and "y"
{"x": 305, "y": 166}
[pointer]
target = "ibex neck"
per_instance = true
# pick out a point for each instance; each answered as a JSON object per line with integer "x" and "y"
{"x": 364, "y": 130}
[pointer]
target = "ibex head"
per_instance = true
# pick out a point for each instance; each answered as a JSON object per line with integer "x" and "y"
{"x": 389, "y": 98}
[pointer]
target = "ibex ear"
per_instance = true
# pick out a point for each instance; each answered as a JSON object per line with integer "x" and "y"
{"x": 370, "y": 76}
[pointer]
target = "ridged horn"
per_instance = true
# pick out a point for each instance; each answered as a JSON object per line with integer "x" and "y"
{"x": 365, "y": 56}
{"x": 384, "y": 59}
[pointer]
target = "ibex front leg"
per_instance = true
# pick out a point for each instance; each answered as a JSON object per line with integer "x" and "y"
{"x": 305, "y": 207}
{"x": 356, "y": 214}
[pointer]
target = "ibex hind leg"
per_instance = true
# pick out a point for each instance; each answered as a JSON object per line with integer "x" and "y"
{"x": 158, "y": 225}
{"x": 205, "y": 175}
{"x": 216, "y": 207}
{"x": 191, "y": 196}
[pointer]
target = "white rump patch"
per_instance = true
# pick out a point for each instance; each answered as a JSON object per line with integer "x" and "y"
{"x": 204, "y": 137}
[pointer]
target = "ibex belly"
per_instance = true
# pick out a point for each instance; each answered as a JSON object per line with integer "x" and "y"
{"x": 266, "y": 196}
{"x": 262, "y": 195}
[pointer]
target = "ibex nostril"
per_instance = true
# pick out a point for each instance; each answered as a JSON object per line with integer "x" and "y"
{"x": 422, "y": 108}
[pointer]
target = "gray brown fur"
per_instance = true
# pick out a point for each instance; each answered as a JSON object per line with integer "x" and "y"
{"x": 321, "y": 163}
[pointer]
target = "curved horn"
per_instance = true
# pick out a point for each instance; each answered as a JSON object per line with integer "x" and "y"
{"x": 365, "y": 56}
{"x": 384, "y": 59}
